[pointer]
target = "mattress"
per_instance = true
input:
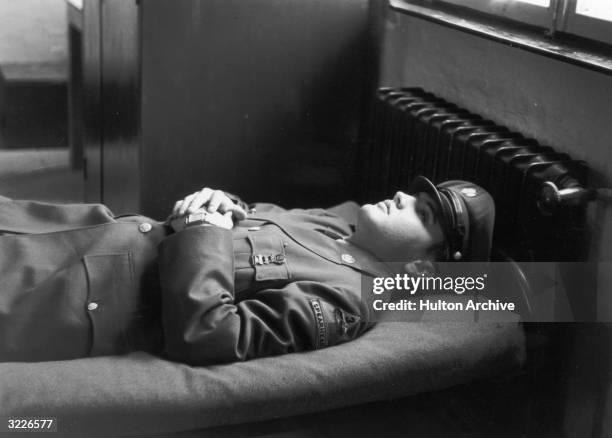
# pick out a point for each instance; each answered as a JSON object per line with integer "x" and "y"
{"x": 141, "y": 394}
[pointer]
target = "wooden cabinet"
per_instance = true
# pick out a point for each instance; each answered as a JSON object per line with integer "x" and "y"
{"x": 263, "y": 98}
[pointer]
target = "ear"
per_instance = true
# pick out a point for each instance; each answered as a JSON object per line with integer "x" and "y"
{"x": 420, "y": 267}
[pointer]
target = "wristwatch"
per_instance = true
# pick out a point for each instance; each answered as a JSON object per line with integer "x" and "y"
{"x": 200, "y": 218}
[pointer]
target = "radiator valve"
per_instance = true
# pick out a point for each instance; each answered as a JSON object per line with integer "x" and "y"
{"x": 551, "y": 198}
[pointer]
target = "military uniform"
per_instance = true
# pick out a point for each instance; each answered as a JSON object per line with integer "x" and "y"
{"x": 78, "y": 281}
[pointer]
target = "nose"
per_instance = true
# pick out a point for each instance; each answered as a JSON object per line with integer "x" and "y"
{"x": 402, "y": 200}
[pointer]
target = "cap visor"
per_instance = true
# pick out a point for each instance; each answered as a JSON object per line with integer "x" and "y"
{"x": 423, "y": 185}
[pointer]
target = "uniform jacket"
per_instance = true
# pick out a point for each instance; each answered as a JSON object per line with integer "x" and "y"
{"x": 78, "y": 281}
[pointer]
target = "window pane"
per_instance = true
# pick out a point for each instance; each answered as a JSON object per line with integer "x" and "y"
{"x": 601, "y": 9}
{"x": 76, "y": 3}
{"x": 544, "y": 3}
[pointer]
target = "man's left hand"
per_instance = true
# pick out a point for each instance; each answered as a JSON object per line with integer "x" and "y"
{"x": 213, "y": 200}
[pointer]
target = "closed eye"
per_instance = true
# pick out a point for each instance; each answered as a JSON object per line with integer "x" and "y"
{"x": 425, "y": 212}
{"x": 422, "y": 214}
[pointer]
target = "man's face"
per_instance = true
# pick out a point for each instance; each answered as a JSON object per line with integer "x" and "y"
{"x": 403, "y": 228}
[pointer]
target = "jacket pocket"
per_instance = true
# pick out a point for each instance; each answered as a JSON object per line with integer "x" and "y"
{"x": 268, "y": 257}
{"x": 111, "y": 301}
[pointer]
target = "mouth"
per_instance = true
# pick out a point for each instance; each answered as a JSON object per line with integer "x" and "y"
{"x": 385, "y": 206}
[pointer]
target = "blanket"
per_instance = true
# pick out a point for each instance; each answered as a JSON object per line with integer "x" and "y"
{"x": 139, "y": 393}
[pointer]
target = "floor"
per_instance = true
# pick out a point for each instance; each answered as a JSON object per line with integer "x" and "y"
{"x": 42, "y": 174}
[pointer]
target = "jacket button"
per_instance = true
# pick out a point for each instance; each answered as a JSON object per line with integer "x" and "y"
{"x": 347, "y": 258}
{"x": 92, "y": 306}
{"x": 144, "y": 227}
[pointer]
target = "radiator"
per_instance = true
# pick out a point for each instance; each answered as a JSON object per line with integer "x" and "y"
{"x": 413, "y": 132}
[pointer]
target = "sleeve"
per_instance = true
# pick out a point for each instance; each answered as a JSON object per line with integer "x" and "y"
{"x": 42, "y": 217}
{"x": 203, "y": 324}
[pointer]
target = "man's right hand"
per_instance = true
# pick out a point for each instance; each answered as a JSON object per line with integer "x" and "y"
{"x": 212, "y": 200}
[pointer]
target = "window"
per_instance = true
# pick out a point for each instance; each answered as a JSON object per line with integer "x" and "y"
{"x": 590, "y": 19}
{"x": 76, "y": 3}
{"x": 595, "y": 9}
{"x": 543, "y": 3}
{"x": 583, "y": 18}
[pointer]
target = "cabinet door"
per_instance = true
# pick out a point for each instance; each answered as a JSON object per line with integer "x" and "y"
{"x": 120, "y": 105}
{"x": 92, "y": 85}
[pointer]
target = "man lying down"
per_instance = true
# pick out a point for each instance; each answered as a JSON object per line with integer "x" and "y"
{"x": 217, "y": 282}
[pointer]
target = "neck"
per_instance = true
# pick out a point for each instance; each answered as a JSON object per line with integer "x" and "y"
{"x": 356, "y": 243}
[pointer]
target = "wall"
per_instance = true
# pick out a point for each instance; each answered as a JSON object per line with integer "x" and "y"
{"x": 264, "y": 98}
{"x": 33, "y": 32}
{"x": 33, "y": 61}
{"x": 559, "y": 104}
